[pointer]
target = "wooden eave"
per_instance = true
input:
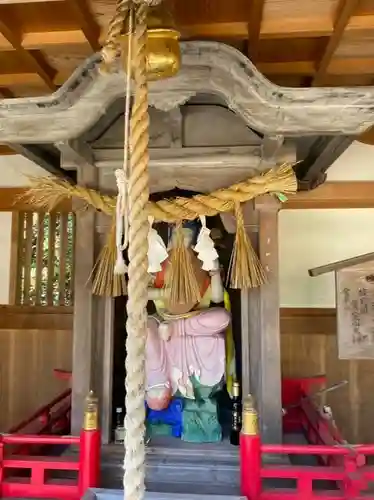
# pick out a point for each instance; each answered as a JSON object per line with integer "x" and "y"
{"x": 331, "y": 117}
{"x": 207, "y": 68}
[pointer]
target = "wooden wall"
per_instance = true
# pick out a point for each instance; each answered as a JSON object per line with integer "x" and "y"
{"x": 309, "y": 347}
{"x": 36, "y": 339}
{"x": 33, "y": 341}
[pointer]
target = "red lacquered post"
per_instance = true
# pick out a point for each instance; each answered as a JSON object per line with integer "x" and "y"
{"x": 250, "y": 453}
{"x": 1, "y": 465}
{"x": 90, "y": 447}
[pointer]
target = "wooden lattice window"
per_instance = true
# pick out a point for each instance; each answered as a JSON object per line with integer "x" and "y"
{"x": 45, "y": 259}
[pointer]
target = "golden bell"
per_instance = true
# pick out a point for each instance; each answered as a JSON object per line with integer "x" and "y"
{"x": 163, "y": 58}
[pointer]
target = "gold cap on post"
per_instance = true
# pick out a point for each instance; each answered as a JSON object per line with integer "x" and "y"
{"x": 249, "y": 417}
{"x": 236, "y": 389}
{"x": 163, "y": 58}
{"x": 91, "y": 413}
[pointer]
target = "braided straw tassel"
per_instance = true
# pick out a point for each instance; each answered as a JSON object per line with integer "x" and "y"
{"x": 246, "y": 270}
{"x": 138, "y": 195}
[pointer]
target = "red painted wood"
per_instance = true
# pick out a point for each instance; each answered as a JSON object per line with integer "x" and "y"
{"x": 38, "y": 486}
{"x": 250, "y": 453}
{"x": 89, "y": 460}
{"x": 343, "y": 464}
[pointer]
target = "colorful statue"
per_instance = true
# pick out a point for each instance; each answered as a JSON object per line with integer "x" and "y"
{"x": 186, "y": 347}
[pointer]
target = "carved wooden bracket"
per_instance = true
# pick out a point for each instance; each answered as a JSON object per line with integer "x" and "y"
{"x": 207, "y": 68}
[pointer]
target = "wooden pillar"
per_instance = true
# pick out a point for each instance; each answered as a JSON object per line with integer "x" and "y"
{"x": 107, "y": 404}
{"x": 85, "y": 320}
{"x": 260, "y": 325}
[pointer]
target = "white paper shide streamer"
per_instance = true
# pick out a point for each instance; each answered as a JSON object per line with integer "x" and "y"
{"x": 122, "y": 175}
{"x": 157, "y": 252}
{"x": 205, "y": 249}
{"x": 121, "y": 222}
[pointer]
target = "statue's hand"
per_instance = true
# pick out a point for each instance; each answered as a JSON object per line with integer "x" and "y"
{"x": 164, "y": 331}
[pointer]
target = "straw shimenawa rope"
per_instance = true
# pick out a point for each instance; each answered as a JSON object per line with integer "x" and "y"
{"x": 48, "y": 192}
{"x": 138, "y": 279}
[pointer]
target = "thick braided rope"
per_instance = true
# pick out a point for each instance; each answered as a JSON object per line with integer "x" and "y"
{"x": 111, "y": 46}
{"x": 224, "y": 200}
{"x": 136, "y": 326}
{"x": 47, "y": 192}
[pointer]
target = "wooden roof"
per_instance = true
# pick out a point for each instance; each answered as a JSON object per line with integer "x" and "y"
{"x": 293, "y": 42}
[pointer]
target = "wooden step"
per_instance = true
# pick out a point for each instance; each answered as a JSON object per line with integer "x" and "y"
{"x": 103, "y": 494}
{"x": 173, "y": 466}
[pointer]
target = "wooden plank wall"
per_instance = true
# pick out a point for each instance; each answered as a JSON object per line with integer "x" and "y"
{"x": 309, "y": 347}
{"x": 36, "y": 339}
{"x": 33, "y": 341}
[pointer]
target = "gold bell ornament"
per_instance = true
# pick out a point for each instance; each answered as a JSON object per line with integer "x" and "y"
{"x": 163, "y": 50}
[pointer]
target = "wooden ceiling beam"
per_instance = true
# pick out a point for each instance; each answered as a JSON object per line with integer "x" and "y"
{"x": 277, "y": 28}
{"x": 367, "y": 137}
{"x": 16, "y": 79}
{"x": 345, "y": 10}
{"x": 32, "y": 61}
{"x": 332, "y": 195}
{"x": 256, "y": 9}
{"x": 87, "y": 22}
{"x": 6, "y": 150}
{"x": 302, "y": 68}
{"x": 294, "y": 28}
{"x": 316, "y": 156}
{"x": 271, "y": 29}
{"x": 346, "y": 66}
{"x": 12, "y": 2}
{"x": 5, "y": 93}
{"x": 4, "y": 44}
{"x": 46, "y": 39}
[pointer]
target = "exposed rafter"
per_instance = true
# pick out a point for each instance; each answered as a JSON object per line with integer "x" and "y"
{"x": 256, "y": 8}
{"x": 33, "y": 60}
{"x": 46, "y": 156}
{"x": 292, "y": 46}
{"x": 89, "y": 26}
{"x": 317, "y": 157}
{"x": 344, "y": 12}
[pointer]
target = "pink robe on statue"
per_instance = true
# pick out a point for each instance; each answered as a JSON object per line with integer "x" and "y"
{"x": 195, "y": 347}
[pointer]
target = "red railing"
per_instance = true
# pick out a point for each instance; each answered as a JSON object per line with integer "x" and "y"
{"x": 40, "y": 476}
{"x": 52, "y": 418}
{"x": 33, "y": 464}
{"x": 351, "y": 479}
{"x": 344, "y": 467}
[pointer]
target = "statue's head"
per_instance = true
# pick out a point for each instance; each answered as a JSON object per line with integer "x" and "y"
{"x": 190, "y": 231}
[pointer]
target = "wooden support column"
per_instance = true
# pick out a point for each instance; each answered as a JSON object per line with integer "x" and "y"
{"x": 85, "y": 320}
{"x": 261, "y": 325}
{"x": 104, "y": 345}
